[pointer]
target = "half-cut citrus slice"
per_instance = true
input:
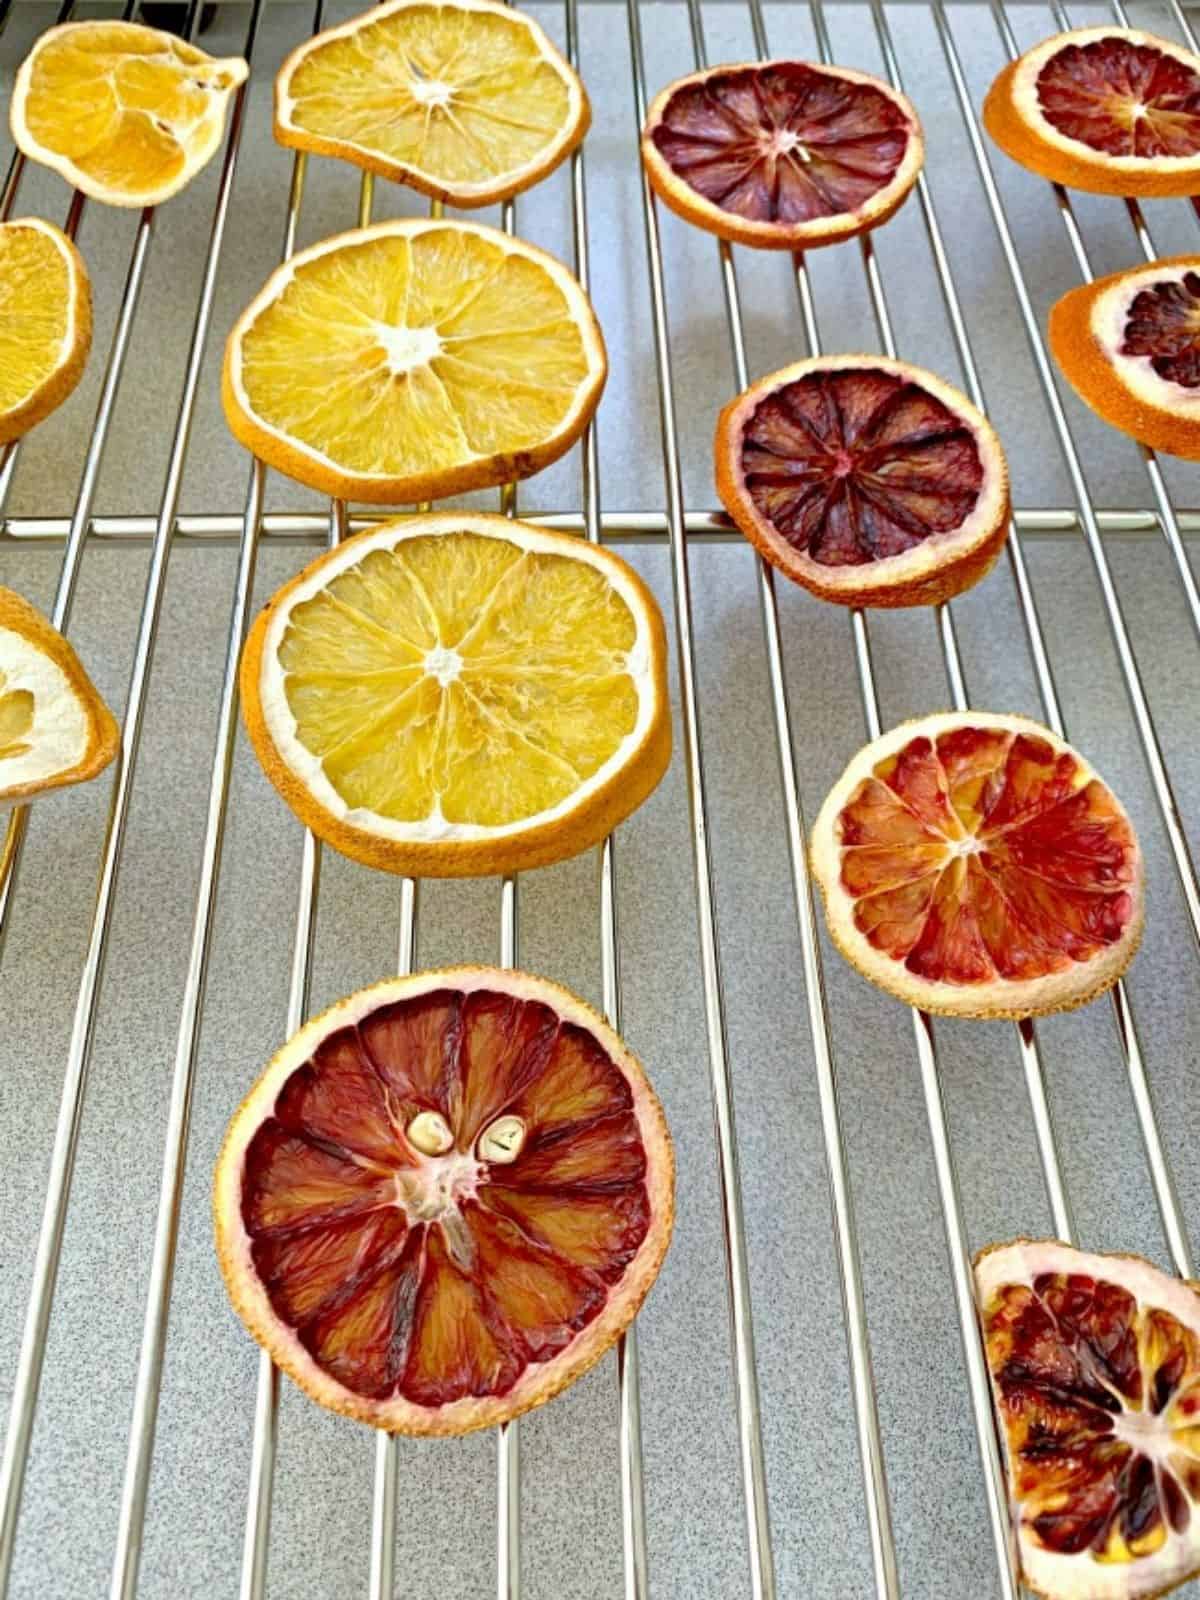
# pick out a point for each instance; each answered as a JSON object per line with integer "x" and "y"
{"x": 45, "y": 323}
{"x": 869, "y": 481}
{"x": 125, "y": 113}
{"x": 1109, "y": 110}
{"x": 54, "y": 727}
{"x": 413, "y": 360}
{"x": 974, "y": 864}
{"x": 466, "y": 100}
{"x": 445, "y": 1199}
{"x": 786, "y": 155}
{"x": 1095, "y": 1368}
{"x": 457, "y": 695}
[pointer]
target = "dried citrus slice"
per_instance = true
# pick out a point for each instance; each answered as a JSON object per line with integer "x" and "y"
{"x": 1109, "y": 110}
{"x": 54, "y": 727}
{"x": 974, "y": 864}
{"x": 45, "y": 323}
{"x": 466, "y": 100}
{"x": 869, "y": 481}
{"x": 786, "y": 155}
{"x": 413, "y": 360}
{"x": 457, "y": 695}
{"x": 445, "y": 1199}
{"x": 1095, "y": 1367}
{"x": 125, "y": 113}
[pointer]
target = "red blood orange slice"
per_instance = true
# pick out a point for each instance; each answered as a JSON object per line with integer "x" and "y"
{"x": 974, "y": 864}
{"x": 445, "y": 1199}
{"x": 786, "y": 155}
{"x": 1095, "y": 1367}
{"x": 869, "y": 481}
{"x": 1109, "y": 110}
{"x": 1129, "y": 345}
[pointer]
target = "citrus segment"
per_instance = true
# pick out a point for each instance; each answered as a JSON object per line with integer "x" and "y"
{"x": 869, "y": 481}
{"x": 466, "y": 100}
{"x": 45, "y": 323}
{"x": 125, "y": 113}
{"x": 445, "y": 1199}
{"x": 976, "y": 865}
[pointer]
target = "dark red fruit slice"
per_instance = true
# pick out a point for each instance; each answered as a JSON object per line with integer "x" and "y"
{"x": 1122, "y": 98}
{"x": 1163, "y": 323}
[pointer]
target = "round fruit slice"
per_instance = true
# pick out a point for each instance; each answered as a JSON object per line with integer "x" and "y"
{"x": 125, "y": 113}
{"x": 413, "y": 360}
{"x": 869, "y": 481}
{"x": 975, "y": 865}
{"x": 445, "y": 1199}
{"x": 54, "y": 727}
{"x": 45, "y": 323}
{"x": 1108, "y": 110}
{"x": 457, "y": 695}
{"x": 786, "y": 155}
{"x": 466, "y": 100}
{"x": 1095, "y": 1367}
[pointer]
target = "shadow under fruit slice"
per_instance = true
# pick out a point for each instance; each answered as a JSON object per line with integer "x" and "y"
{"x": 445, "y": 1199}
{"x": 869, "y": 481}
{"x": 974, "y": 864}
{"x": 1095, "y": 1369}
{"x": 1108, "y": 110}
{"x": 785, "y": 155}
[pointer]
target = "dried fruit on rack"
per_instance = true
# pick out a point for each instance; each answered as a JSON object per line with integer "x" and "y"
{"x": 785, "y": 155}
{"x": 457, "y": 695}
{"x": 1095, "y": 1367}
{"x": 54, "y": 727}
{"x": 445, "y": 1199}
{"x": 412, "y": 360}
{"x": 1110, "y": 110}
{"x": 466, "y": 100}
{"x": 45, "y": 323}
{"x": 125, "y": 113}
{"x": 869, "y": 481}
{"x": 974, "y": 864}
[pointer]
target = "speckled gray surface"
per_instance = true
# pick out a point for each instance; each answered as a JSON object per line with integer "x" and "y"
{"x": 571, "y": 1509}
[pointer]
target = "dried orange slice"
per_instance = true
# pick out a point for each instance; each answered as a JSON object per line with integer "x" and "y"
{"x": 45, "y": 323}
{"x": 445, "y": 1199}
{"x": 1109, "y": 110}
{"x": 457, "y": 695}
{"x": 975, "y": 864}
{"x": 412, "y": 360}
{"x": 1095, "y": 1368}
{"x": 466, "y": 100}
{"x": 54, "y": 727}
{"x": 869, "y": 481}
{"x": 785, "y": 155}
{"x": 125, "y": 113}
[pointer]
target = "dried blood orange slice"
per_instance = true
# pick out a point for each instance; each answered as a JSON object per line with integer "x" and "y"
{"x": 445, "y": 1199}
{"x": 786, "y": 155}
{"x": 1110, "y": 110}
{"x": 974, "y": 864}
{"x": 1129, "y": 345}
{"x": 869, "y": 481}
{"x": 1095, "y": 1367}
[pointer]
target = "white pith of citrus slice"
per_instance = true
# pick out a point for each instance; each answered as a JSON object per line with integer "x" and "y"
{"x": 466, "y": 100}
{"x": 413, "y": 360}
{"x": 125, "y": 113}
{"x": 460, "y": 694}
{"x": 975, "y": 864}
{"x": 1095, "y": 1371}
{"x": 445, "y": 1199}
{"x": 45, "y": 323}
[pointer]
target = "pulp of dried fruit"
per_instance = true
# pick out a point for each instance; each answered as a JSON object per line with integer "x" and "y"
{"x": 45, "y": 323}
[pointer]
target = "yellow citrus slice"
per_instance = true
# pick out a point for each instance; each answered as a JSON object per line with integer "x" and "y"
{"x": 413, "y": 360}
{"x": 127, "y": 114}
{"x": 455, "y": 695}
{"x": 466, "y": 101}
{"x": 45, "y": 323}
{"x": 54, "y": 727}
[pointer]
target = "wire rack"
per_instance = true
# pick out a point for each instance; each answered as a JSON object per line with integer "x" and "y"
{"x": 762, "y": 1552}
